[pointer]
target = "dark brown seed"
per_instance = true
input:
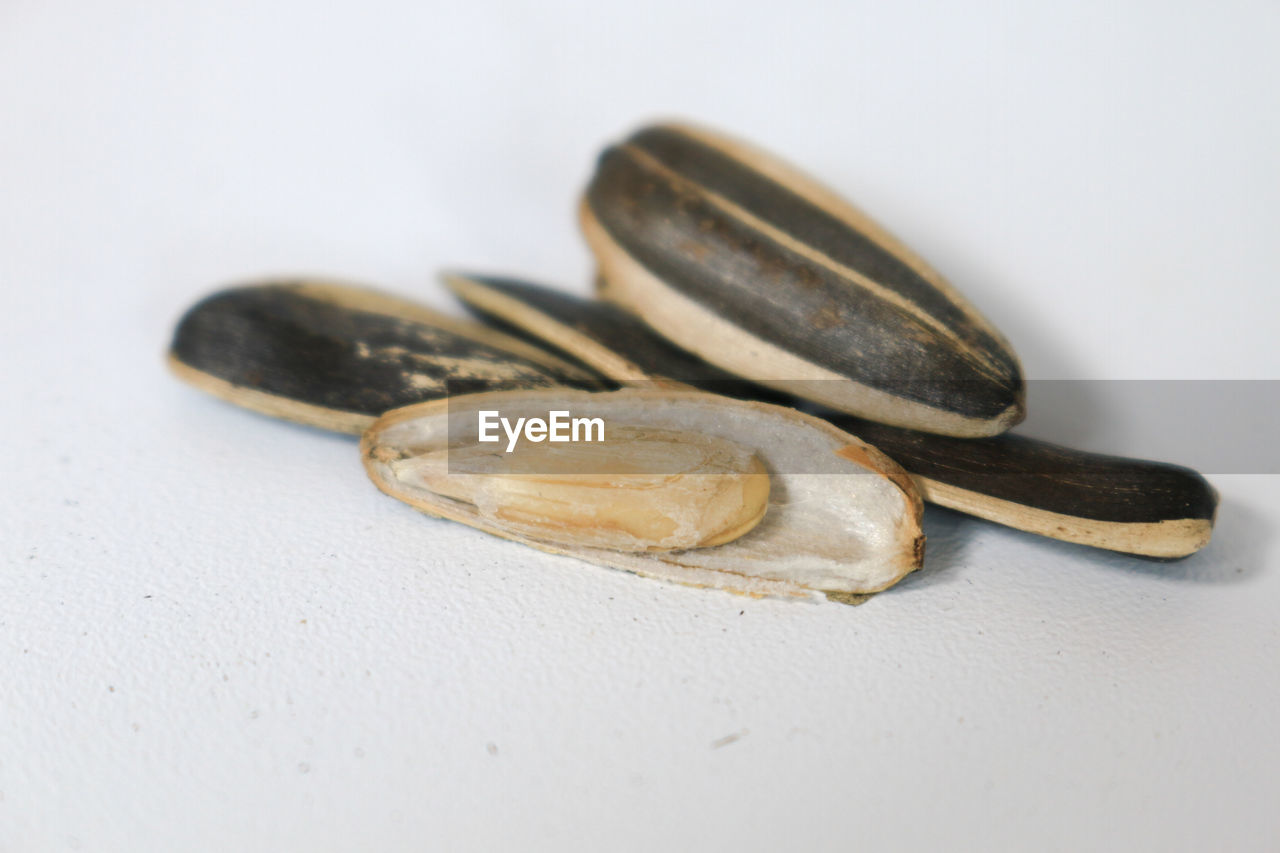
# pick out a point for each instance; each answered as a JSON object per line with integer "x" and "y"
{"x": 335, "y": 356}
{"x": 751, "y": 265}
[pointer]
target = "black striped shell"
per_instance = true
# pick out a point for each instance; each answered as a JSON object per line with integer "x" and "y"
{"x": 751, "y": 265}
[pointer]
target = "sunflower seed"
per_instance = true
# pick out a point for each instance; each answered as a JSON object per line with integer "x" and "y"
{"x": 637, "y": 490}
{"x": 752, "y": 266}
{"x": 841, "y": 520}
{"x": 336, "y": 356}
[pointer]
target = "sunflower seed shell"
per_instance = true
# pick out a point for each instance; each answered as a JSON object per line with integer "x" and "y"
{"x": 749, "y": 264}
{"x": 842, "y": 519}
{"x": 335, "y": 356}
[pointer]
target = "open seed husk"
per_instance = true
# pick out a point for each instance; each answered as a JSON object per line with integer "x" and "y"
{"x": 842, "y": 519}
{"x": 1134, "y": 506}
{"x": 754, "y": 267}
{"x": 334, "y": 355}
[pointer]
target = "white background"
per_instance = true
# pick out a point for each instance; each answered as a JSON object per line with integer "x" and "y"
{"x": 215, "y": 634}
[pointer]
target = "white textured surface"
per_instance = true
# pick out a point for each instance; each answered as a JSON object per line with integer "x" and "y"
{"x": 214, "y": 634}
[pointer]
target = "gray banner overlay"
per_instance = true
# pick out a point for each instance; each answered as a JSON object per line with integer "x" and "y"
{"x": 1217, "y": 426}
{"x": 1213, "y": 426}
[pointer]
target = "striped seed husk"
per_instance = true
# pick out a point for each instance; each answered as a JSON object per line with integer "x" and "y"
{"x": 756, "y": 268}
{"x": 335, "y": 356}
